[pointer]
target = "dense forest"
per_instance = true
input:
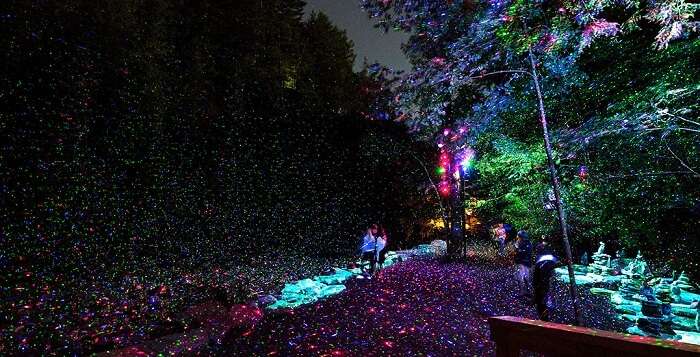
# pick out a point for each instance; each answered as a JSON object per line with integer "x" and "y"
{"x": 215, "y": 149}
{"x": 158, "y": 154}
{"x": 620, "y": 88}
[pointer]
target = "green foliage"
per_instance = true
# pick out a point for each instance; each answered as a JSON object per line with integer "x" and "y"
{"x": 623, "y": 114}
{"x": 513, "y": 175}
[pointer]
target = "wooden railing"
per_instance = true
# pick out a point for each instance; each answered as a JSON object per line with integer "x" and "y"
{"x": 512, "y": 334}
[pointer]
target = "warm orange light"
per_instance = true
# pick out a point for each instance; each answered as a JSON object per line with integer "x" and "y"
{"x": 437, "y": 223}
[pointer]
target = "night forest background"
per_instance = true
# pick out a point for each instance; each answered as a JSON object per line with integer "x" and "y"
{"x": 215, "y": 149}
{"x": 218, "y": 149}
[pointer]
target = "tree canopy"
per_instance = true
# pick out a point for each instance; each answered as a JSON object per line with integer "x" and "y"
{"x": 618, "y": 81}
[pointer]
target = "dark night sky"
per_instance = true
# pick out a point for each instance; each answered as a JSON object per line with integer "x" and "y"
{"x": 369, "y": 42}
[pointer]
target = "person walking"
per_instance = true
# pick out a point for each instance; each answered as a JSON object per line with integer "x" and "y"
{"x": 544, "y": 266}
{"x": 500, "y": 233}
{"x": 510, "y": 233}
{"x": 523, "y": 262}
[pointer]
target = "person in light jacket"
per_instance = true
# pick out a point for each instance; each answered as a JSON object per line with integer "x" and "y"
{"x": 368, "y": 248}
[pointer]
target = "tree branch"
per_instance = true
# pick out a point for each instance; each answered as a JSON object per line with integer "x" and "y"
{"x": 661, "y": 173}
{"x": 427, "y": 174}
{"x": 513, "y": 71}
{"x": 683, "y": 119}
{"x": 688, "y": 129}
{"x": 682, "y": 162}
{"x": 437, "y": 193}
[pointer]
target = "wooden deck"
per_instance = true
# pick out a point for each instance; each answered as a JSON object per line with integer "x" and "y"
{"x": 513, "y": 334}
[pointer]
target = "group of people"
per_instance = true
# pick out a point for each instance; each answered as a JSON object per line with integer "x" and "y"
{"x": 531, "y": 275}
{"x": 373, "y": 248}
{"x": 527, "y": 274}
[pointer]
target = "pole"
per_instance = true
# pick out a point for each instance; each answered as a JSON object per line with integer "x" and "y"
{"x": 557, "y": 192}
{"x": 456, "y": 210}
{"x": 463, "y": 244}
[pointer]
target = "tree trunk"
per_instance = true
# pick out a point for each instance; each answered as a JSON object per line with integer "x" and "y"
{"x": 557, "y": 192}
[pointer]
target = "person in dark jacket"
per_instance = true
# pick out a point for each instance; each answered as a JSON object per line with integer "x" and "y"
{"x": 542, "y": 273}
{"x": 523, "y": 262}
{"x": 510, "y": 233}
{"x": 500, "y": 237}
{"x": 381, "y": 247}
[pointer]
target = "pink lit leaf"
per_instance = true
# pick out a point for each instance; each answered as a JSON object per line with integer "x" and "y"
{"x": 598, "y": 28}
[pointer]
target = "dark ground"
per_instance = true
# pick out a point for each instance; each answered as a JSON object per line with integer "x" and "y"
{"x": 415, "y": 308}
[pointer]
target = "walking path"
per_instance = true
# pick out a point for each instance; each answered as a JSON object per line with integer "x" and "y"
{"x": 414, "y": 308}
